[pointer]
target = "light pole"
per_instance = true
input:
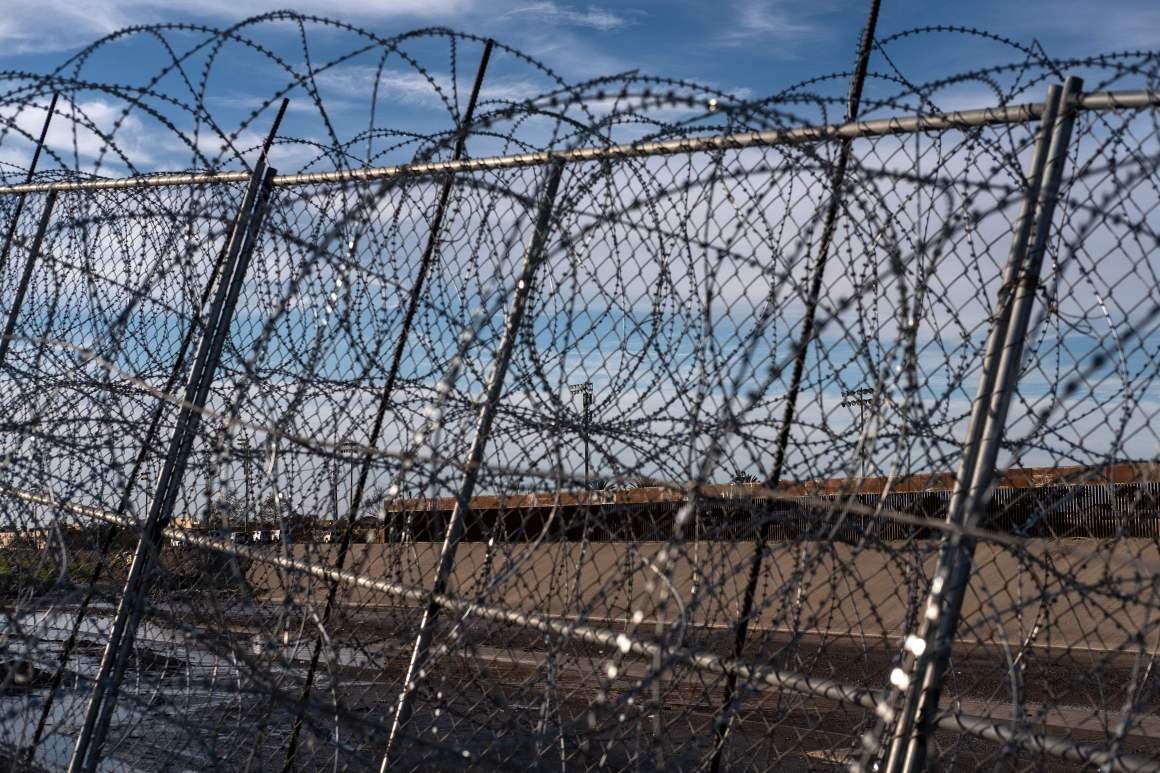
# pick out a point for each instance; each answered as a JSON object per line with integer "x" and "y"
{"x": 585, "y": 391}
{"x": 241, "y": 450}
{"x": 861, "y": 398}
{"x": 342, "y": 450}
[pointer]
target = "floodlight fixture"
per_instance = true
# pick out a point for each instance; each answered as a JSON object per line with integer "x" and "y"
{"x": 584, "y": 389}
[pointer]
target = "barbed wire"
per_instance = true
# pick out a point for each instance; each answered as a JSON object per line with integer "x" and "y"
{"x": 293, "y": 476}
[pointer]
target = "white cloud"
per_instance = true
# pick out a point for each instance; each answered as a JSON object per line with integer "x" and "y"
{"x": 418, "y": 89}
{"x": 593, "y": 17}
{"x": 32, "y": 26}
{"x": 765, "y": 19}
{"x": 78, "y": 128}
{"x": 332, "y": 8}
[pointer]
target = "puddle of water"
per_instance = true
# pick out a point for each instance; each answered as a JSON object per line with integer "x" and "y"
{"x": 172, "y": 677}
{"x": 168, "y": 664}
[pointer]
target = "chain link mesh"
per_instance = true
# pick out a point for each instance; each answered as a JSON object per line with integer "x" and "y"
{"x": 624, "y": 521}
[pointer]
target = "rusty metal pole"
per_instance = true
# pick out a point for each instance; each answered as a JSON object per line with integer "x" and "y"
{"x": 385, "y": 398}
{"x": 533, "y": 258}
{"x": 103, "y": 698}
{"x": 773, "y": 479}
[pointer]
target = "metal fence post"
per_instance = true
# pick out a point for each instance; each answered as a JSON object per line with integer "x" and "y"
{"x": 932, "y": 645}
{"x": 109, "y": 532}
{"x": 515, "y": 316}
{"x": 10, "y": 234}
{"x": 773, "y": 479}
{"x": 26, "y": 277}
{"x": 243, "y": 239}
{"x": 429, "y": 252}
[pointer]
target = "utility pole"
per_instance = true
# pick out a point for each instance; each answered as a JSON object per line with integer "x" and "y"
{"x": 585, "y": 391}
{"x": 861, "y": 398}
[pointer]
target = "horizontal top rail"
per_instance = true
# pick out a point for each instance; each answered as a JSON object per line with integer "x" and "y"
{"x": 989, "y": 116}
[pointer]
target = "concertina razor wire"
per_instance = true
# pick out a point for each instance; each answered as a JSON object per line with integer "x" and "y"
{"x": 625, "y": 424}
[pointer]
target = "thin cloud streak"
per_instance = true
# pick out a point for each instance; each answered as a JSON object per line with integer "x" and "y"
{"x": 32, "y": 26}
{"x": 766, "y": 20}
{"x": 592, "y": 17}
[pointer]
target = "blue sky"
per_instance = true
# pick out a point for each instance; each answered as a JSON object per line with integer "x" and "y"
{"x": 743, "y": 47}
{"x": 746, "y": 48}
{"x": 755, "y": 46}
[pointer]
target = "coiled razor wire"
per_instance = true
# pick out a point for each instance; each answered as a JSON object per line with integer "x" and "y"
{"x": 563, "y": 320}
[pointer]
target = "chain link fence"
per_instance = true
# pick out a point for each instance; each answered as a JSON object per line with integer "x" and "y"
{"x": 626, "y": 424}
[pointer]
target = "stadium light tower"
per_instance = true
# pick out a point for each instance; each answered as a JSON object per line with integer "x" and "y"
{"x": 861, "y": 398}
{"x": 585, "y": 391}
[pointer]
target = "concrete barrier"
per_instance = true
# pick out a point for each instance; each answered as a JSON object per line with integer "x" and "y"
{"x": 1072, "y": 594}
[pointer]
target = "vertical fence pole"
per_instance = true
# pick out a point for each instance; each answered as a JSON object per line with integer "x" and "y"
{"x": 908, "y": 750}
{"x": 773, "y": 479}
{"x": 386, "y": 396}
{"x": 129, "y": 611}
{"x": 109, "y": 532}
{"x": 26, "y": 276}
{"x": 103, "y": 698}
{"x": 10, "y": 234}
{"x": 515, "y": 316}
